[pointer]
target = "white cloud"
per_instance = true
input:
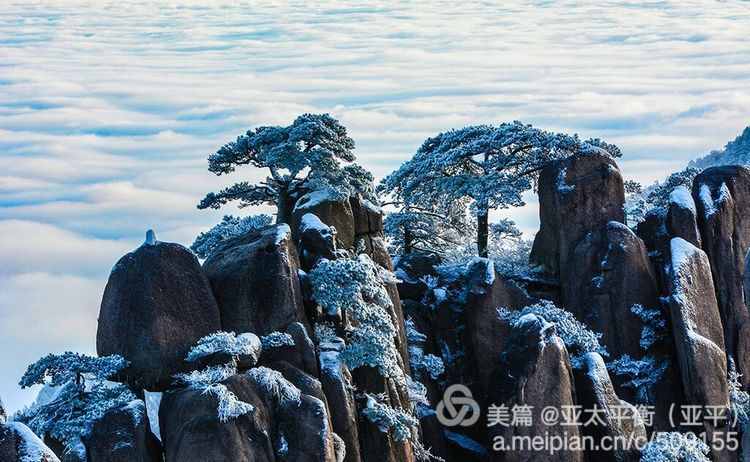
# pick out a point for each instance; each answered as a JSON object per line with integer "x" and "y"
{"x": 29, "y": 247}
{"x": 42, "y": 313}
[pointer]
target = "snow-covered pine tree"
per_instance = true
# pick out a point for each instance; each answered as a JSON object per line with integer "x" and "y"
{"x": 736, "y": 152}
{"x": 84, "y": 395}
{"x": 491, "y": 166}
{"x": 657, "y": 195}
{"x": 420, "y": 229}
{"x": 305, "y": 155}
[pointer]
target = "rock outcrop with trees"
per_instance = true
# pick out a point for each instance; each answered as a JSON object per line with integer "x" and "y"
{"x": 333, "y": 334}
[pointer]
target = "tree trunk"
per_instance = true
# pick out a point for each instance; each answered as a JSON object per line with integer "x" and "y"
{"x": 408, "y": 242}
{"x": 285, "y": 206}
{"x": 483, "y": 230}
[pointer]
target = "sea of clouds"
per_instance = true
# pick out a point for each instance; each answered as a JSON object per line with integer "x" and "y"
{"x": 108, "y": 110}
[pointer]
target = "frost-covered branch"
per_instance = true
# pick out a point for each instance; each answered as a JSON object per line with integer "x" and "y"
{"x": 576, "y": 336}
{"x": 230, "y": 226}
{"x": 225, "y": 342}
{"x": 57, "y": 370}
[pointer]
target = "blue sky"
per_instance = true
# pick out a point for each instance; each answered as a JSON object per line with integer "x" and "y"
{"x": 109, "y": 109}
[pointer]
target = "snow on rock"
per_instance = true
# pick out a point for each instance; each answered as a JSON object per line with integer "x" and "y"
{"x": 533, "y": 370}
{"x": 31, "y": 448}
{"x": 311, "y": 221}
{"x": 707, "y": 200}
{"x": 682, "y": 251}
{"x": 150, "y": 237}
{"x": 153, "y": 402}
{"x": 371, "y": 206}
{"x": 562, "y": 186}
{"x": 332, "y": 209}
{"x": 681, "y": 197}
{"x": 682, "y": 216}
{"x": 316, "y": 198}
{"x": 590, "y": 195}
{"x": 338, "y": 388}
{"x": 725, "y": 233}
{"x": 283, "y": 232}
{"x": 316, "y": 241}
{"x": 330, "y": 359}
{"x": 618, "y": 419}
{"x": 697, "y": 328}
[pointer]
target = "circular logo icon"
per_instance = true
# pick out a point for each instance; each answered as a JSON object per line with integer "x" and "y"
{"x": 457, "y": 407}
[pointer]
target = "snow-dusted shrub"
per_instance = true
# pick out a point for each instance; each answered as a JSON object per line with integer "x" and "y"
{"x": 229, "y": 406}
{"x": 657, "y": 195}
{"x": 739, "y": 400}
{"x": 275, "y": 385}
{"x": 675, "y": 447}
{"x": 511, "y": 257}
{"x": 402, "y": 425}
{"x": 357, "y": 285}
{"x": 276, "y": 340}
{"x": 325, "y": 333}
{"x": 654, "y": 325}
{"x": 421, "y": 363}
{"x": 635, "y": 203}
{"x": 207, "y": 381}
{"x": 230, "y": 226}
{"x": 642, "y": 375}
{"x": 198, "y": 380}
{"x": 417, "y": 392}
{"x": 84, "y": 395}
{"x": 433, "y": 366}
{"x": 576, "y": 336}
{"x": 412, "y": 334}
{"x": 224, "y": 342}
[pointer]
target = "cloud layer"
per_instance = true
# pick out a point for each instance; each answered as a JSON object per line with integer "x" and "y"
{"x": 108, "y": 110}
